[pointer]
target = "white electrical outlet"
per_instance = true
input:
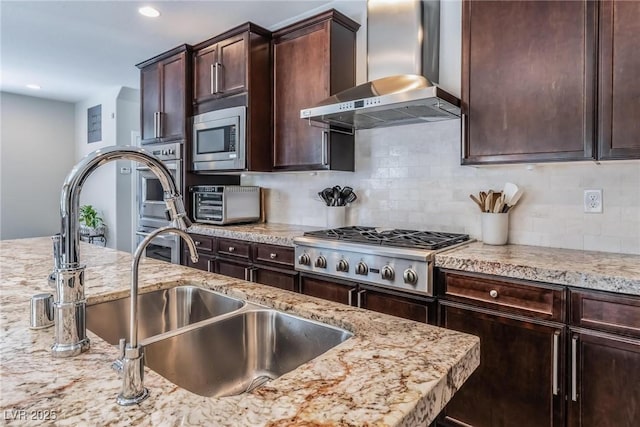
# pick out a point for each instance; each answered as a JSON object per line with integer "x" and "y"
{"x": 593, "y": 201}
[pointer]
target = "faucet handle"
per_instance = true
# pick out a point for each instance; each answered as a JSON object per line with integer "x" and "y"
{"x": 118, "y": 364}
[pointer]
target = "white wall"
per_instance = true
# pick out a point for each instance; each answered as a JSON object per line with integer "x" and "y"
{"x": 37, "y": 153}
{"x": 410, "y": 177}
{"x": 106, "y": 188}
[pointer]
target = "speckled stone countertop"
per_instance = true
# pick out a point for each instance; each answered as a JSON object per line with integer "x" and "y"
{"x": 585, "y": 269}
{"x": 391, "y": 372}
{"x": 275, "y": 234}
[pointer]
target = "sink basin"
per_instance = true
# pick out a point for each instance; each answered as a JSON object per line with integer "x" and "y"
{"x": 158, "y": 312}
{"x": 238, "y": 353}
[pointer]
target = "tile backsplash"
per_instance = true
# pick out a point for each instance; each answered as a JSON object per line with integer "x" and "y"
{"x": 411, "y": 177}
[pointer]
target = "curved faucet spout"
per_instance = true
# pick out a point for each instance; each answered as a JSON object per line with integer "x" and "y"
{"x": 70, "y": 196}
{"x": 131, "y": 354}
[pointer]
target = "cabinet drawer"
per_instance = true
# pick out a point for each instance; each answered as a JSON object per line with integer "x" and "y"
{"x": 605, "y": 311}
{"x": 203, "y": 243}
{"x": 519, "y": 297}
{"x": 234, "y": 248}
{"x": 273, "y": 254}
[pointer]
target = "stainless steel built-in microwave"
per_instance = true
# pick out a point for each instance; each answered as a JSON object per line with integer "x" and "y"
{"x": 219, "y": 140}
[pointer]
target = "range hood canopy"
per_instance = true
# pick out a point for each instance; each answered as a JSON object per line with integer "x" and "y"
{"x": 403, "y": 39}
{"x": 388, "y": 101}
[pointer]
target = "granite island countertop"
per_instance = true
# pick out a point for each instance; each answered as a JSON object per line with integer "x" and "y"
{"x": 603, "y": 271}
{"x": 391, "y": 372}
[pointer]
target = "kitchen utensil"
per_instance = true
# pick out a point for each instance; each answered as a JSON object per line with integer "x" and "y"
{"x": 336, "y": 195}
{"x": 327, "y": 195}
{"x": 351, "y": 198}
{"x": 514, "y": 199}
{"x": 488, "y": 203}
{"x": 323, "y": 197}
{"x": 509, "y": 190}
{"x": 477, "y": 201}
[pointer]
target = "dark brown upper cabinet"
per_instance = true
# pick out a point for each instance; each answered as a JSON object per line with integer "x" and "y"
{"x": 165, "y": 92}
{"x": 529, "y": 81}
{"x": 232, "y": 63}
{"x": 313, "y": 59}
{"x": 619, "y": 80}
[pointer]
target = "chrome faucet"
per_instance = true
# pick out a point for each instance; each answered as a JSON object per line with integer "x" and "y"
{"x": 70, "y": 303}
{"x": 131, "y": 361}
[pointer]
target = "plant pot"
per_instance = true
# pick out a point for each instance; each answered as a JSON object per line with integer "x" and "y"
{"x": 90, "y": 231}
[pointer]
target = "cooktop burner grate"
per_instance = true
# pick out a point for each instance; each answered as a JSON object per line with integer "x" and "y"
{"x": 391, "y": 237}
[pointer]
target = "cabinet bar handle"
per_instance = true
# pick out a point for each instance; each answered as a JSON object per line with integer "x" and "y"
{"x": 351, "y": 291}
{"x": 574, "y": 368}
{"x": 246, "y": 274}
{"x": 209, "y": 266}
{"x": 211, "y": 72}
{"x": 360, "y": 296}
{"x": 556, "y": 343}
{"x": 463, "y": 135}
{"x": 325, "y": 148}
{"x": 155, "y": 124}
{"x": 217, "y": 65}
{"x": 159, "y": 124}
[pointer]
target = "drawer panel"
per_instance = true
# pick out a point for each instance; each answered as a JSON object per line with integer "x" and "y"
{"x": 519, "y": 297}
{"x": 203, "y": 243}
{"x": 235, "y": 248}
{"x": 606, "y": 312}
{"x": 273, "y": 254}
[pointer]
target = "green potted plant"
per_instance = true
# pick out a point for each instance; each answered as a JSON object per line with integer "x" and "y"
{"x": 90, "y": 223}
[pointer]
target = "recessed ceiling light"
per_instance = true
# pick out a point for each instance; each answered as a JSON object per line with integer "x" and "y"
{"x": 33, "y": 86}
{"x": 149, "y": 12}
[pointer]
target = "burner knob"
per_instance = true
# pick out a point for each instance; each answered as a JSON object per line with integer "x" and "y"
{"x": 362, "y": 269}
{"x": 387, "y": 273}
{"x": 304, "y": 259}
{"x": 321, "y": 262}
{"x": 410, "y": 277}
{"x": 343, "y": 265}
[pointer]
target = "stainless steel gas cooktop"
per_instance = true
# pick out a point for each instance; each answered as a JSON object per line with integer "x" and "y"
{"x": 393, "y": 258}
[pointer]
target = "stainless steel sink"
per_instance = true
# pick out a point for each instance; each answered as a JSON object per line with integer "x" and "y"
{"x": 235, "y": 354}
{"x": 158, "y": 312}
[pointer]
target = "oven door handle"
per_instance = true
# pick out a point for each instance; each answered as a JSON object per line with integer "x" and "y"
{"x": 160, "y": 238}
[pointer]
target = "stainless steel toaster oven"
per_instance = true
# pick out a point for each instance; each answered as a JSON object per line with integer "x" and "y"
{"x": 225, "y": 204}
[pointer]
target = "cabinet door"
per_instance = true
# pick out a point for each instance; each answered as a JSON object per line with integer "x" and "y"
{"x": 204, "y": 263}
{"x": 619, "y": 80}
{"x": 283, "y": 279}
{"x": 173, "y": 116}
{"x": 301, "y": 79}
{"x": 528, "y": 84}
{"x": 204, "y": 74}
{"x": 396, "y": 305}
{"x": 606, "y": 381}
{"x": 232, "y": 68}
{"x": 232, "y": 268}
{"x": 518, "y": 382}
{"x": 327, "y": 289}
{"x": 150, "y": 84}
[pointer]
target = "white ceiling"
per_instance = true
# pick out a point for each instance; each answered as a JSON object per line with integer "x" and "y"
{"x": 75, "y": 49}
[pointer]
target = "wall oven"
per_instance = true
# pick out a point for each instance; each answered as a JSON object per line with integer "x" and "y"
{"x": 219, "y": 140}
{"x": 163, "y": 247}
{"x": 151, "y": 206}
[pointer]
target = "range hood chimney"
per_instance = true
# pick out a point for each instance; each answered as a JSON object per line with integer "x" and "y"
{"x": 403, "y": 44}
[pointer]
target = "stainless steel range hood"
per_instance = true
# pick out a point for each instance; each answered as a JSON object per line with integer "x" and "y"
{"x": 403, "y": 44}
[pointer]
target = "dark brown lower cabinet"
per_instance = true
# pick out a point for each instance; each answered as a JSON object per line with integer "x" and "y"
{"x": 520, "y": 378}
{"x": 399, "y": 304}
{"x": 204, "y": 263}
{"x": 604, "y": 387}
{"x": 276, "y": 277}
{"x": 233, "y": 268}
